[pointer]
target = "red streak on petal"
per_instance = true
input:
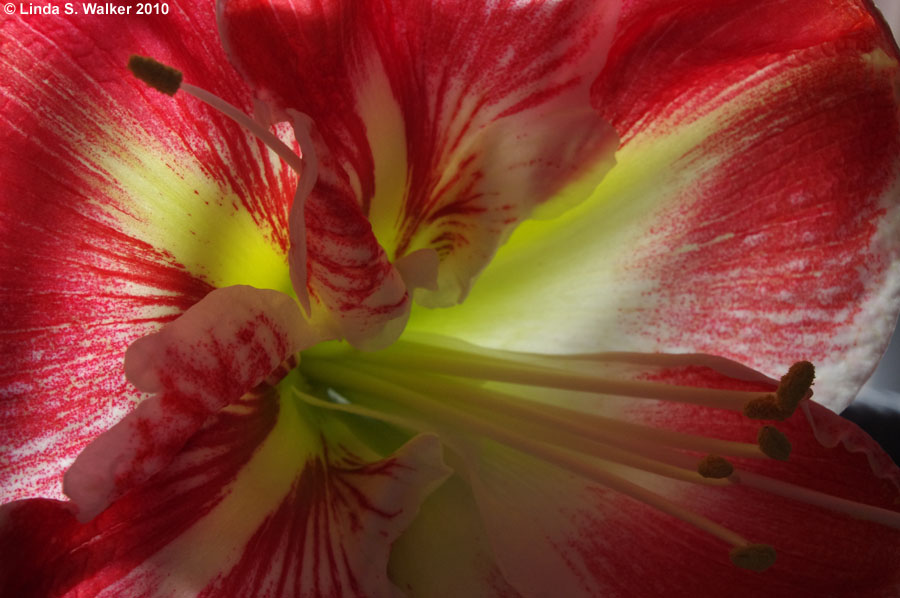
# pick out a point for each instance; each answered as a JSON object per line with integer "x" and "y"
{"x": 69, "y": 262}
{"x": 783, "y": 224}
{"x": 47, "y": 553}
{"x": 453, "y": 72}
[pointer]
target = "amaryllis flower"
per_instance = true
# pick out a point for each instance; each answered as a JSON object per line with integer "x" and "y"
{"x": 459, "y": 310}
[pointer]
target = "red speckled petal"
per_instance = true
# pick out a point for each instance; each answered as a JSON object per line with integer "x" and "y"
{"x": 443, "y": 124}
{"x": 268, "y": 500}
{"x": 353, "y": 288}
{"x": 219, "y": 349}
{"x": 592, "y": 541}
{"x": 120, "y": 207}
{"x": 752, "y": 212}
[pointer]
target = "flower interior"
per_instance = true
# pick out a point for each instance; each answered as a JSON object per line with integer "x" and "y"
{"x": 477, "y": 399}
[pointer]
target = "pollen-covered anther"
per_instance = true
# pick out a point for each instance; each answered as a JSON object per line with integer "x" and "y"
{"x": 773, "y": 443}
{"x": 765, "y": 407}
{"x": 754, "y": 557}
{"x": 714, "y": 466}
{"x": 157, "y": 75}
{"x": 795, "y": 385}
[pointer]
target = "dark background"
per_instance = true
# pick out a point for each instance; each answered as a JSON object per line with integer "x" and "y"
{"x": 877, "y": 410}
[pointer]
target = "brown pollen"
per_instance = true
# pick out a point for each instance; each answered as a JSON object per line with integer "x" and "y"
{"x": 773, "y": 443}
{"x": 157, "y": 75}
{"x": 765, "y": 407}
{"x": 714, "y": 466}
{"x": 795, "y": 385}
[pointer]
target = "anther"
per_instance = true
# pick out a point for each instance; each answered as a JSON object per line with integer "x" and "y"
{"x": 793, "y": 388}
{"x": 714, "y": 466}
{"x": 755, "y": 557}
{"x": 795, "y": 385}
{"x": 773, "y": 443}
{"x": 157, "y": 75}
{"x": 765, "y": 407}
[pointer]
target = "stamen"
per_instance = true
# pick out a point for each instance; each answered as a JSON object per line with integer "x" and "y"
{"x": 713, "y": 466}
{"x": 774, "y": 443}
{"x": 795, "y": 385}
{"x": 755, "y": 557}
{"x": 766, "y": 407}
{"x": 169, "y": 80}
{"x": 579, "y": 465}
{"x": 793, "y": 388}
{"x": 401, "y": 422}
{"x": 424, "y": 397}
{"x": 634, "y": 437}
{"x": 550, "y": 433}
{"x": 820, "y": 499}
{"x": 157, "y": 75}
{"x": 592, "y": 468}
{"x": 406, "y": 355}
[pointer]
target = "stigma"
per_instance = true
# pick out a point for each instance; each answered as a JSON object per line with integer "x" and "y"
{"x": 159, "y": 76}
{"x": 169, "y": 80}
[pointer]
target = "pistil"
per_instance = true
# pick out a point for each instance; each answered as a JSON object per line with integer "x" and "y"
{"x": 169, "y": 81}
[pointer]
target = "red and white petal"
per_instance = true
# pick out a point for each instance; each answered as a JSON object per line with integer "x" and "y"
{"x": 358, "y": 295}
{"x": 266, "y": 500}
{"x": 591, "y": 541}
{"x": 812, "y": 429}
{"x": 218, "y": 350}
{"x": 353, "y": 287}
{"x": 120, "y": 208}
{"x": 446, "y": 123}
{"x": 752, "y": 212}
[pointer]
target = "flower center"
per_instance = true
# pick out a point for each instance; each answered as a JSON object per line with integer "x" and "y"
{"x": 461, "y": 391}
